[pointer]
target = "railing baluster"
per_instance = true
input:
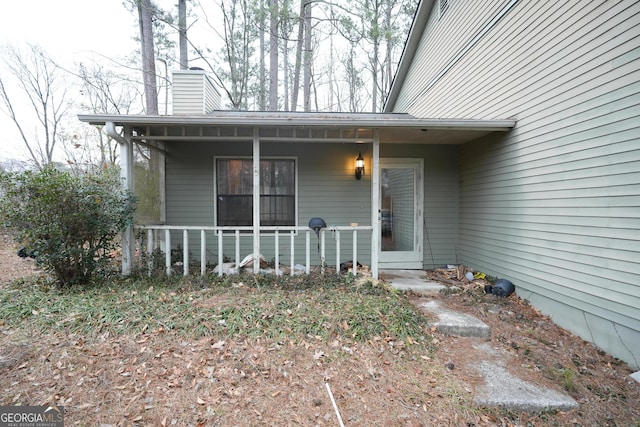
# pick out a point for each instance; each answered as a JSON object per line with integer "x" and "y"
{"x": 149, "y": 251}
{"x": 322, "y": 252}
{"x": 337, "y": 251}
{"x": 203, "y": 252}
{"x": 355, "y": 252}
{"x": 137, "y": 251}
{"x": 276, "y": 239}
{"x": 220, "y": 257}
{"x": 185, "y": 252}
{"x": 238, "y": 251}
{"x": 293, "y": 235}
{"x": 167, "y": 249}
{"x": 308, "y": 261}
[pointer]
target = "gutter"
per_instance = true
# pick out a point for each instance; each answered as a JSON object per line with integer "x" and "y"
{"x": 379, "y": 121}
{"x": 110, "y": 128}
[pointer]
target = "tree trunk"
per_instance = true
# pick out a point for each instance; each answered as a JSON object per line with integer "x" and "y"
{"x": 262, "y": 101}
{"x": 182, "y": 32}
{"x": 273, "y": 55}
{"x": 298, "y": 64}
{"x": 374, "y": 75}
{"x": 285, "y": 77}
{"x": 152, "y": 185}
{"x": 332, "y": 80}
{"x": 145, "y": 14}
{"x": 307, "y": 58}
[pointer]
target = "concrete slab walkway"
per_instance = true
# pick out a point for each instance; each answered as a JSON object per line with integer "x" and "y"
{"x": 503, "y": 389}
{"x": 454, "y": 323}
{"x": 411, "y": 280}
{"x": 499, "y": 388}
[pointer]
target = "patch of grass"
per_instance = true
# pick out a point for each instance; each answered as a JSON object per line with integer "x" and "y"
{"x": 566, "y": 377}
{"x": 294, "y": 308}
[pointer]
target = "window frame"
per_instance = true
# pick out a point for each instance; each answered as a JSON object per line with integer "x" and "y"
{"x": 296, "y": 186}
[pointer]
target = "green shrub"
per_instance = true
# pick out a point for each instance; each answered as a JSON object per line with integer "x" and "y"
{"x": 67, "y": 223}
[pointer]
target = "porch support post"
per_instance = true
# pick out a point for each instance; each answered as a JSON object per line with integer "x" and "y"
{"x": 256, "y": 200}
{"x": 375, "y": 204}
{"x": 126, "y": 175}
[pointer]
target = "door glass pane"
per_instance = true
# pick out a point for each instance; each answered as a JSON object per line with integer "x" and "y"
{"x": 397, "y": 209}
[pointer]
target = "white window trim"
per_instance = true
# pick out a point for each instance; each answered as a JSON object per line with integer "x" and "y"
{"x": 215, "y": 182}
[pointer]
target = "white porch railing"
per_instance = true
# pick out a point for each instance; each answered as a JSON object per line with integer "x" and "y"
{"x": 159, "y": 236}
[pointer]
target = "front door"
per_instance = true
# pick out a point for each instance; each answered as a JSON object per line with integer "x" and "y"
{"x": 401, "y": 199}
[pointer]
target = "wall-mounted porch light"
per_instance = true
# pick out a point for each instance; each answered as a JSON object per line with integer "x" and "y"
{"x": 359, "y": 166}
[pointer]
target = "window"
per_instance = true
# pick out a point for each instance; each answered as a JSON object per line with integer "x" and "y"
{"x": 234, "y": 192}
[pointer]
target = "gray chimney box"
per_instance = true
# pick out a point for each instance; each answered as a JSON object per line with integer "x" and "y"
{"x": 194, "y": 92}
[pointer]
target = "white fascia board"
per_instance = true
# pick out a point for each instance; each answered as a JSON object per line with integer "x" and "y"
{"x": 300, "y": 120}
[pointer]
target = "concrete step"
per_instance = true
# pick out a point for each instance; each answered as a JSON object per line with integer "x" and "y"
{"x": 503, "y": 389}
{"x": 498, "y": 386}
{"x": 411, "y": 280}
{"x": 454, "y": 323}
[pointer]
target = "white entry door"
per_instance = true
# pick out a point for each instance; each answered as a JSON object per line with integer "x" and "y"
{"x": 401, "y": 198}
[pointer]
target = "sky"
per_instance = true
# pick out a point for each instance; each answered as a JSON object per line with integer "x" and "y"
{"x": 70, "y": 31}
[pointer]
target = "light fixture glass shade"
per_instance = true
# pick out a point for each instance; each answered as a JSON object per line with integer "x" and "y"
{"x": 359, "y": 166}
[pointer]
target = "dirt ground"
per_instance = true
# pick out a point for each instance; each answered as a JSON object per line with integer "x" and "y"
{"x": 545, "y": 354}
{"x": 156, "y": 379}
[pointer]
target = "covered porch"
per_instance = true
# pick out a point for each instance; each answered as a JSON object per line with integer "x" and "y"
{"x": 322, "y": 149}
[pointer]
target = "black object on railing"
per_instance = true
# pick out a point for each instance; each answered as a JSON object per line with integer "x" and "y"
{"x": 316, "y": 224}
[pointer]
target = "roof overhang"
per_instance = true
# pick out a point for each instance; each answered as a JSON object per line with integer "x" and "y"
{"x": 391, "y": 127}
{"x": 418, "y": 25}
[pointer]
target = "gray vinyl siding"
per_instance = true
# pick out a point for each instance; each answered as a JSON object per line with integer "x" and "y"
{"x": 568, "y": 238}
{"x": 555, "y": 204}
{"x": 540, "y": 51}
{"x": 326, "y": 188}
{"x": 194, "y": 93}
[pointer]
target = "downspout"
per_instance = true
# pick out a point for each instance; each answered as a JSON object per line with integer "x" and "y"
{"x": 256, "y": 200}
{"x": 126, "y": 174}
{"x": 375, "y": 205}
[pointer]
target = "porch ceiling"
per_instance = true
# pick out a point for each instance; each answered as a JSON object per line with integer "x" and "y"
{"x": 392, "y": 127}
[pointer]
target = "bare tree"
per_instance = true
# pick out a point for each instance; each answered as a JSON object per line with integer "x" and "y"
{"x": 273, "y": 54}
{"x": 182, "y": 32}
{"x": 287, "y": 26}
{"x": 238, "y": 35}
{"x": 41, "y": 84}
{"x": 372, "y": 29}
{"x": 298, "y": 58}
{"x": 147, "y": 50}
{"x": 375, "y": 30}
{"x": 308, "y": 56}
{"x": 262, "y": 77}
{"x": 103, "y": 91}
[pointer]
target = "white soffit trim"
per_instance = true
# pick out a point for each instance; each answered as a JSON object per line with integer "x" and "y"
{"x": 298, "y": 120}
